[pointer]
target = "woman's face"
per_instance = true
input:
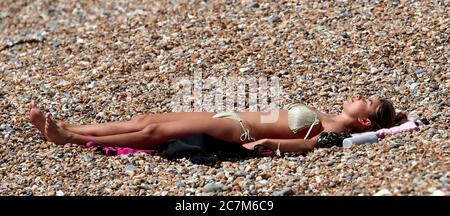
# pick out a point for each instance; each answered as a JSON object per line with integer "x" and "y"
{"x": 360, "y": 107}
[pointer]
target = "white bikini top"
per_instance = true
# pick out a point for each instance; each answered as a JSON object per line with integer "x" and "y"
{"x": 300, "y": 116}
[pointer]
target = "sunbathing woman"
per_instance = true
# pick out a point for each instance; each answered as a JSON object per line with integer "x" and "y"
{"x": 296, "y": 130}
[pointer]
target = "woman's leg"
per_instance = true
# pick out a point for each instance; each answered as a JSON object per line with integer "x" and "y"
{"x": 151, "y": 135}
{"x": 134, "y": 125}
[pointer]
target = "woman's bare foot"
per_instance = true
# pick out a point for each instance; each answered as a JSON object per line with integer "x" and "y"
{"x": 37, "y": 118}
{"x": 54, "y": 133}
{"x": 63, "y": 125}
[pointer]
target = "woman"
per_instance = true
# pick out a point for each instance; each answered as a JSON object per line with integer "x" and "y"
{"x": 296, "y": 129}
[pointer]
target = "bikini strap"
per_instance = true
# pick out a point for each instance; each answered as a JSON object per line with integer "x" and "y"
{"x": 246, "y": 135}
{"x": 310, "y": 127}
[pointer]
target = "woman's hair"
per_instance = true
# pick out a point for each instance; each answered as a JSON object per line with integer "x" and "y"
{"x": 385, "y": 116}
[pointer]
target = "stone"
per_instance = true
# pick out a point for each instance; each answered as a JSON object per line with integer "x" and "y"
{"x": 264, "y": 166}
{"x": 245, "y": 69}
{"x": 59, "y": 193}
{"x": 383, "y": 192}
{"x": 413, "y": 86}
{"x": 88, "y": 158}
{"x": 285, "y": 192}
{"x": 331, "y": 162}
{"x": 130, "y": 168}
{"x": 263, "y": 182}
{"x": 213, "y": 187}
{"x": 252, "y": 5}
{"x": 438, "y": 193}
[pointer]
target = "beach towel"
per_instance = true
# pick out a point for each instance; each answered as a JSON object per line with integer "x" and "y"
{"x": 199, "y": 148}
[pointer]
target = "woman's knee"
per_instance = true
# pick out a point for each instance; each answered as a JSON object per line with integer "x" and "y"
{"x": 152, "y": 130}
{"x": 140, "y": 119}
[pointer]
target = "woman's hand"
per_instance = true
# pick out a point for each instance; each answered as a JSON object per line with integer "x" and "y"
{"x": 252, "y": 145}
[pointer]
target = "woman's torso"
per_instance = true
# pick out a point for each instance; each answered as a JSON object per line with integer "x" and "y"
{"x": 279, "y": 127}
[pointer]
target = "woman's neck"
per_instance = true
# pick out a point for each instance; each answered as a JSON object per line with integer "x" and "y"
{"x": 343, "y": 120}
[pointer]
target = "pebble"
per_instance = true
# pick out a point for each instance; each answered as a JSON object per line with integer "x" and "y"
{"x": 395, "y": 145}
{"x": 252, "y": 190}
{"x": 180, "y": 184}
{"x": 264, "y": 166}
{"x": 88, "y": 158}
{"x": 146, "y": 186}
{"x": 383, "y": 192}
{"x": 263, "y": 182}
{"x": 245, "y": 69}
{"x": 6, "y": 128}
{"x": 274, "y": 19}
{"x": 438, "y": 193}
{"x": 252, "y": 5}
{"x": 213, "y": 187}
{"x": 321, "y": 54}
{"x": 417, "y": 71}
{"x": 413, "y": 86}
{"x": 285, "y": 192}
{"x": 130, "y": 168}
{"x": 331, "y": 162}
{"x": 51, "y": 193}
{"x": 59, "y": 193}
{"x": 100, "y": 115}
{"x": 54, "y": 25}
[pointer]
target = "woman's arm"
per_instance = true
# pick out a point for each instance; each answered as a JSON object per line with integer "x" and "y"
{"x": 286, "y": 145}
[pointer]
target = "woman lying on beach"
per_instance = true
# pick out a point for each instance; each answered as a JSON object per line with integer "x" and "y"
{"x": 296, "y": 130}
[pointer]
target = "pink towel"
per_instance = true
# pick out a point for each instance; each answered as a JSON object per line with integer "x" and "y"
{"x": 112, "y": 151}
{"x": 373, "y": 137}
{"x": 410, "y": 125}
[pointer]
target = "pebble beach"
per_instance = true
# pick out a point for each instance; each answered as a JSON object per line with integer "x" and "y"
{"x": 100, "y": 61}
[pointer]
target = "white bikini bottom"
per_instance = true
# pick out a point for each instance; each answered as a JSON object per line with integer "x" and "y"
{"x": 245, "y": 136}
